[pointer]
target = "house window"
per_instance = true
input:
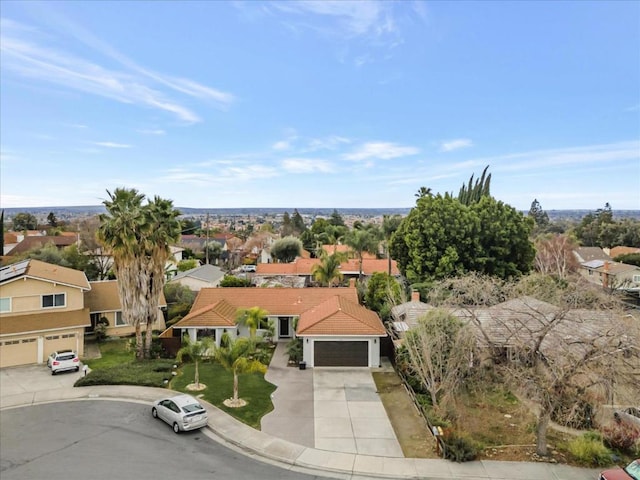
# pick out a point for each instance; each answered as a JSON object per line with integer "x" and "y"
{"x": 636, "y": 279}
{"x": 54, "y": 300}
{"x": 5, "y": 304}
{"x": 120, "y": 320}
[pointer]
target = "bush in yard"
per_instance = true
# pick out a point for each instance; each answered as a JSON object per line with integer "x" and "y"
{"x": 621, "y": 436}
{"x": 147, "y": 374}
{"x": 589, "y": 449}
{"x": 294, "y": 350}
{"x": 458, "y": 448}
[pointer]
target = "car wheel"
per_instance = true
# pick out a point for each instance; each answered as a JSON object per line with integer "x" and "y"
{"x": 53, "y": 372}
{"x": 77, "y": 369}
{"x": 154, "y": 412}
{"x": 176, "y": 428}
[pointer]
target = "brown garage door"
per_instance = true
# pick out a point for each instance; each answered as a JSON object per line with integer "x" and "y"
{"x": 341, "y": 354}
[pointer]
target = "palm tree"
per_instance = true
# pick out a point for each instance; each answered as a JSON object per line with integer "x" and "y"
{"x": 390, "y": 224}
{"x": 361, "y": 241}
{"x": 120, "y": 232}
{"x": 251, "y": 318}
{"x": 162, "y": 229}
{"x": 328, "y": 270}
{"x": 236, "y": 357}
{"x": 195, "y": 351}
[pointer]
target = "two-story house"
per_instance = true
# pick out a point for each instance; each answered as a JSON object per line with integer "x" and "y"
{"x": 41, "y": 310}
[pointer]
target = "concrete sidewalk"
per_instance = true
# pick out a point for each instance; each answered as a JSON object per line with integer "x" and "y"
{"x": 301, "y": 458}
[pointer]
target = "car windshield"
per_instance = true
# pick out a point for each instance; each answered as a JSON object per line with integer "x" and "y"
{"x": 192, "y": 407}
{"x": 633, "y": 469}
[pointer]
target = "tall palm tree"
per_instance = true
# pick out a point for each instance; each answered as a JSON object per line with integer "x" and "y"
{"x": 361, "y": 241}
{"x": 162, "y": 228}
{"x": 328, "y": 270}
{"x": 195, "y": 351}
{"x": 390, "y": 224}
{"x": 236, "y": 357}
{"x": 120, "y": 232}
{"x": 251, "y": 318}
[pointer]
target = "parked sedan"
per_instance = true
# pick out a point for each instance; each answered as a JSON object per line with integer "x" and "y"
{"x": 630, "y": 472}
{"x": 182, "y": 412}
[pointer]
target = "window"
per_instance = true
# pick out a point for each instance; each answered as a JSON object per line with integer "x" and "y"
{"x": 636, "y": 279}
{"x": 120, "y": 320}
{"x": 5, "y": 304}
{"x": 54, "y": 300}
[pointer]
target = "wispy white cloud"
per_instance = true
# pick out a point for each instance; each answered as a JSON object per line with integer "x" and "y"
{"x": 27, "y": 56}
{"x": 380, "y": 150}
{"x": 281, "y": 145}
{"x": 305, "y": 165}
{"x": 457, "y": 144}
{"x": 112, "y": 145}
{"x": 332, "y": 142}
{"x": 156, "y": 131}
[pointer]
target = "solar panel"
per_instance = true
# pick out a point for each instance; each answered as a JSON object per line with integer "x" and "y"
{"x": 12, "y": 271}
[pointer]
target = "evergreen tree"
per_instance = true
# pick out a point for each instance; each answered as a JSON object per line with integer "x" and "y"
{"x": 287, "y": 226}
{"x": 473, "y": 192}
{"x": 52, "y": 220}
{"x": 298, "y": 223}
{"x": 538, "y": 215}
{"x": 336, "y": 220}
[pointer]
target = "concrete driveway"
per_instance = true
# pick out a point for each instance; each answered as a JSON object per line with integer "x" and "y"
{"x": 34, "y": 378}
{"x": 335, "y": 409}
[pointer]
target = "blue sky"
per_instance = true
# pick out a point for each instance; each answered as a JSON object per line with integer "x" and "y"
{"x": 320, "y": 104}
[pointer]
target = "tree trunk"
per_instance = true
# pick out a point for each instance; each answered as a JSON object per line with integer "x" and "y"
{"x": 197, "y": 379}
{"x": 139, "y": 343}
{"x": 235, "y": 386}
{"x": 148, "y": 338}
{"x": 541, "y": 431}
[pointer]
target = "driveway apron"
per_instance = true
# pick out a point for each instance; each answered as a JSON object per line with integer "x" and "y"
{"x": 335, "y": 409}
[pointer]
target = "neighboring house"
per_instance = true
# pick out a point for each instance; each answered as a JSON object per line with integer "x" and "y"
{"x": 586, "y": 254}
{"x": 617, "y": 251}
{"x": 406, "y": 314}
{"x": 609, "y": 274}
{"x": 199, "y": 277}
{"x": 336, "y": 330}
{"x": 302, "y": 268}
{"x": 39, "y": 241}
{"x": 171, "y": 267}
{"x": 41, "y": 310}
{"x": 103, "y": 300}
{"x": 11, "y": 239}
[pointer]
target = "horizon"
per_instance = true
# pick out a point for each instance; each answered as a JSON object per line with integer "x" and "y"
{"x": 241, "y": 104}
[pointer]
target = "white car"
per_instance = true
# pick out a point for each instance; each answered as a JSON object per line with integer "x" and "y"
{"x": 63, "y": 360}
{"x": 182, "y": 412}
{"x": 248, "y": 268}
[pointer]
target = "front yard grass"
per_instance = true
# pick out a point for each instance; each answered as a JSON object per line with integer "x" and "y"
{"x": 252, "y": 388}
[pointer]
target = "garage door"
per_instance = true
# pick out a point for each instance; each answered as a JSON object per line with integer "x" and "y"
{"x": 341, "y": 354}
{"x": 62, "y": 341}
{"x": 18, "y": 352}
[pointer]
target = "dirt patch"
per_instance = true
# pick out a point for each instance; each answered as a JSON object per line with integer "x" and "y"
{"x": 410, "y": 428}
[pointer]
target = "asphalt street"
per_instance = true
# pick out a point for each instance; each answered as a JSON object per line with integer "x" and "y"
{"x": 111, "y": 439}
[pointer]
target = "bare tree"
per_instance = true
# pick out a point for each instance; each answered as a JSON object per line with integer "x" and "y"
{"x": 440, "y": 352}
{"x": 554, "y": 255}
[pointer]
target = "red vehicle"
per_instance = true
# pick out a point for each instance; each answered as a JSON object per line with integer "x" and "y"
{"x": 630, "y": 472}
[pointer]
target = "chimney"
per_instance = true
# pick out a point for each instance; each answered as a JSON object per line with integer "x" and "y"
{"x": 415, "y": 296}
{"x": 352, "y": 283}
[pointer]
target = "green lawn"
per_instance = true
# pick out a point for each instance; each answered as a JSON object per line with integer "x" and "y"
{"x": 253, "y": 388}
{"x": 118, "y": 366}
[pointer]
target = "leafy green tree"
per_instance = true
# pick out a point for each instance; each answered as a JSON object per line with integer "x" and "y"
{"x": 336, "y": 219}
{"x": 286, "y": 249}
{"x": 24, "y": 221}
{"x": 251, "y": 318}
{"x": 195, "y": 351}
{"x": 188, "y": 226}
{"x": 539, "y": 216}
{"x": 361, "y": 241}
{"x": 236, "y": 356}
{"x": 328, "y": 270}
{"x": 185, "y": 265}
{"x": 212, "y": 251}
{"x": 629, "y": 259}
{"x": 473, "y": 192}
{"x": 52, "y": 220}
{"x": 423, "y": 192}
{"x": 179, "y": 301}
{"x": 231, "y": 281}
{"x": 441, "y": 237}
{"x": 287, "y": 225}
{"x": 390, "y": 224}
{"x": 308, "y": 240}
{"x": 383, "y": 292}
{"x": 298, "y": 223}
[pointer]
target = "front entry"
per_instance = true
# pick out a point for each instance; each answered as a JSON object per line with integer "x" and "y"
{"x": 284, "y": 330}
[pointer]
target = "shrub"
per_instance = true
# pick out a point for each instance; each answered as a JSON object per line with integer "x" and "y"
{"x": 459, "y": 448}
{"x": 589, "y": 449}
{"x": 231, "y": 281}
{"x": 100, "y": 329}
{"x": 294, "y": 350}
{"x": 150, "y": 373}
{"x": 621, "y": 436}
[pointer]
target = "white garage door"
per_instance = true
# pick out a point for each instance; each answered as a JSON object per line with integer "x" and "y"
{"x": 18, "y": 352}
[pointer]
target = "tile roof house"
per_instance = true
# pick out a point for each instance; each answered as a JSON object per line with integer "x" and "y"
{"x": 586, "y": 254}
{"x": 103, "y": 301}
{"x": 41, "y": 310}
{"x": 39, "y": 241}
{"x": 302, "y": 268}
{"x": 335, "y": 329}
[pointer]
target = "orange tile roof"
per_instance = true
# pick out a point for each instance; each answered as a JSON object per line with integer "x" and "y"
{"x": 29, "y": 243}
{"x": 220, "y": 314}
{"x": 339, "y": 316}
{"x": 276, "y": 301}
